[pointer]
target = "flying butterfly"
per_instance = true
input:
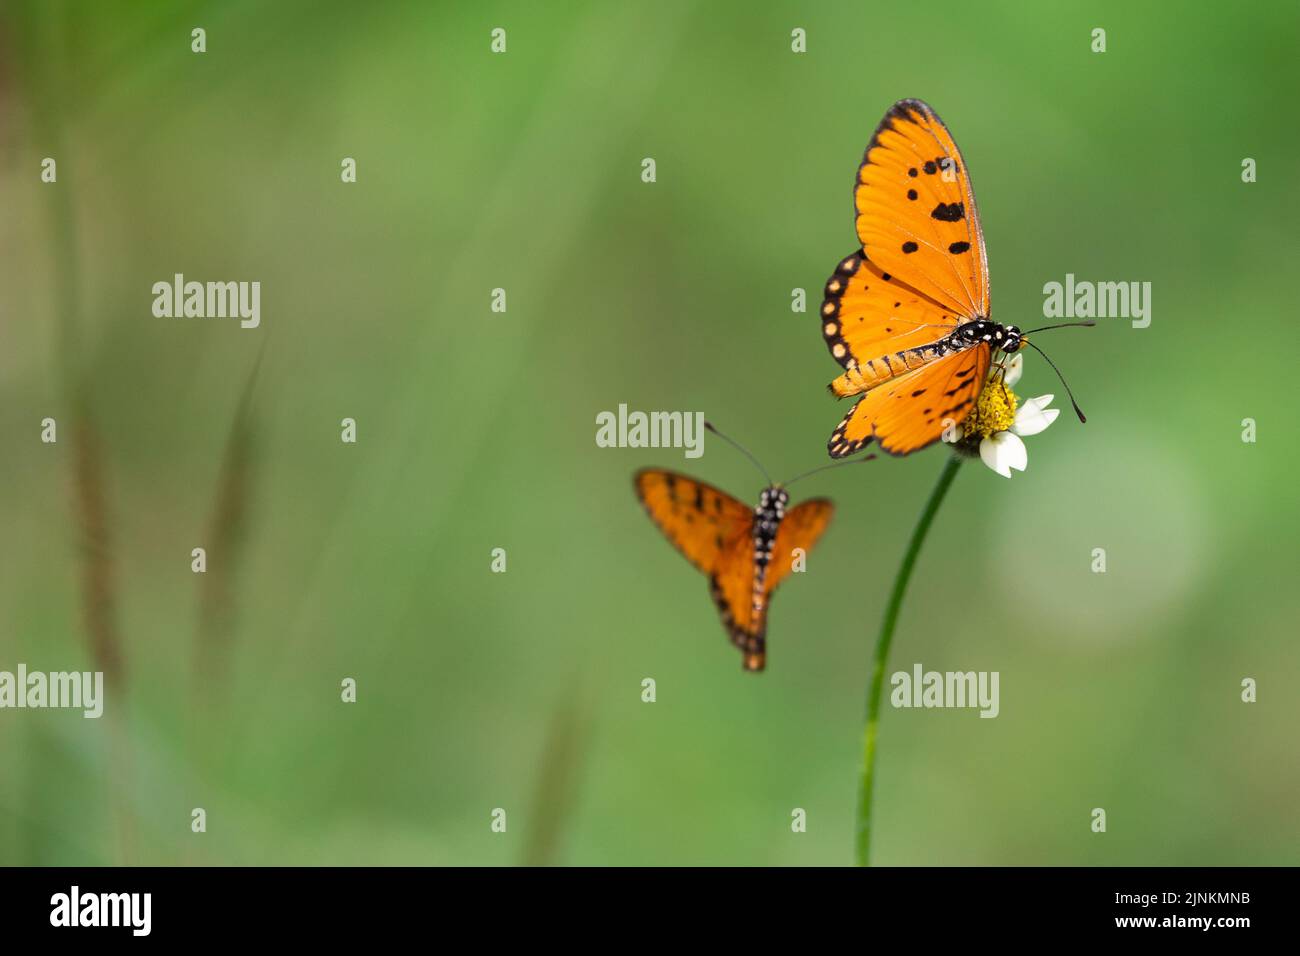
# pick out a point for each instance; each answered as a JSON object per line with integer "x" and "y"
{"x": 746, "y": 552}
{"x": 907, "y": 315}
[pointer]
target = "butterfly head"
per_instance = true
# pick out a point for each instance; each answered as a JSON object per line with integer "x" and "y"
{"x": 772, "y": 502}
{"x": 1008, "y": 338}
{"x": 1012, "y": 339}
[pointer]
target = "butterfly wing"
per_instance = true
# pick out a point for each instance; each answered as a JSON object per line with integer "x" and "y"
{"x": 916, "y": 215}
{"x": 912, "y": 411}
{"x": 869, "y": 317}
{"x": 732, "y": 587}
{"x": 733, "y": 584}
{"x": 702, "y": 522}
{"x": 800, "y": 528}
{"x": 716, "y": 534}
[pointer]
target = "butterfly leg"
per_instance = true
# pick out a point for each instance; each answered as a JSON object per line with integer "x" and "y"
{"x": 1000, "y": 371}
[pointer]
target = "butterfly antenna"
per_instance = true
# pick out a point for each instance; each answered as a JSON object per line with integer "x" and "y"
{"x": 740, "y": 448}
{"x": 834, "y": 464}
{"x": 1077, "y": 410}
{"x": 1064, "y": 325}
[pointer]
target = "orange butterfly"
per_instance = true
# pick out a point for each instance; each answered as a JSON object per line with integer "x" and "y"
{"x": 746, "y": 552}
{"x": 907, "y": 316}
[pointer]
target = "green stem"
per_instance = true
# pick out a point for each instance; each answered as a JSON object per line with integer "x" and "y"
{"x": 876, "y": 691}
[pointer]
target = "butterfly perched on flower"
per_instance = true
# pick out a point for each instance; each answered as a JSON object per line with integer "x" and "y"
{"x": 907, "y": 315}
{"x": 745, "y": 552}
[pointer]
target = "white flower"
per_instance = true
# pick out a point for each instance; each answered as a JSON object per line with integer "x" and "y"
{"x": 1003, "y": 451}
{"x": 1001, "y": 448}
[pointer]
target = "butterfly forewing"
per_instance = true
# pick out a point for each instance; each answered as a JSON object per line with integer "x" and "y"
{"x": 916, "y": 215}
{"x": 802, "y": 526}
{"x": 697, "y": 518}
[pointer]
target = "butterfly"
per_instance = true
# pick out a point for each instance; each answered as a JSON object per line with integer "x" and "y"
{"x": 907, "y": 315}
{"x": 746, "y": 552}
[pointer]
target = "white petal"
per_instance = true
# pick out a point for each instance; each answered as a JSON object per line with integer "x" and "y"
{"x": 1004, "y": 451}
{"x": 1014, "y": 370}
{"x": 1031, "y": 418}
{"x": 1014, "y": 451}
{"x": 991, "y": 456}
{"x": 1042, "y": 401}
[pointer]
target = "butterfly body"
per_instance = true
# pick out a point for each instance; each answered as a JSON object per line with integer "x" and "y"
{"x": 767, "y": 521}
{"x": 981, "y": 332}
{"x": 745, "y": 552}
{"x": 907, "y": 315}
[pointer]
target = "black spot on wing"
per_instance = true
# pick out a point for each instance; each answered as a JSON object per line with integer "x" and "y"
{"x": 948, "y": 212}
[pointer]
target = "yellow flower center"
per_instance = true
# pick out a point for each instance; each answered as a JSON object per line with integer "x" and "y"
{"x": 995, "y": 411}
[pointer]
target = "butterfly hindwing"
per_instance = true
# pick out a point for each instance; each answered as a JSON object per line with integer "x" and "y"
{"x": 731, "y": 586}
{"x": 916, "y": 215}
{"x": 912, "y": 411}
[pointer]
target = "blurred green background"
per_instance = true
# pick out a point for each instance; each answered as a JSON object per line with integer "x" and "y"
{"x": 476, "y": 430}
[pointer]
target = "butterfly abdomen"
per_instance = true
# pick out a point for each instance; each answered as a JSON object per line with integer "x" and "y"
{"x": 862, "y": 378}
{"x": 767, "y": 521}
